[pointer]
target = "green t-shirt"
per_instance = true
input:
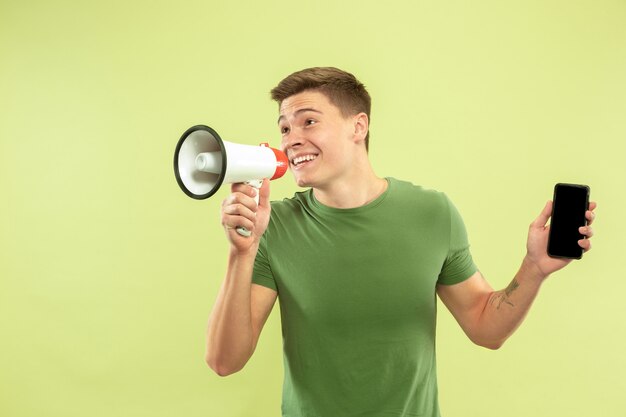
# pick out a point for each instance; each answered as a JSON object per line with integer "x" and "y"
{"x": 357, "y": 298}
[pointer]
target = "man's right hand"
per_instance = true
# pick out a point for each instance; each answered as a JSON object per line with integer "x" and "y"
{"x": 240, "y": 210}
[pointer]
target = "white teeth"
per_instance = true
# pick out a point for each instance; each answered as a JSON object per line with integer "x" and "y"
{"x": 304, "y": 158}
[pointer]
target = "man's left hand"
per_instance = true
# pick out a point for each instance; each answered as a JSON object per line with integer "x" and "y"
{"x": 537, "y": 244}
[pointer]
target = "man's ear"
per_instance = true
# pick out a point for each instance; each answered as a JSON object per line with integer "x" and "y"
{"x": 361, "y": 127}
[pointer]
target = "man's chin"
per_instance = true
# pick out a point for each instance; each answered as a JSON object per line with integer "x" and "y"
{"x": 303, "y": 184}
{"x": 302, "y": 181}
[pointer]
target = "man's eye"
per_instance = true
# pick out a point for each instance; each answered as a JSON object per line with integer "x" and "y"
{"x": 284, "y": 130}
{"x": 310, "y": 122}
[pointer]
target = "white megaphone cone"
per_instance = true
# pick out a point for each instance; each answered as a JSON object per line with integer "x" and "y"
{"x": 203, "y": 162}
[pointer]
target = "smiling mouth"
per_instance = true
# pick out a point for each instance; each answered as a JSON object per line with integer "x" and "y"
{"x": 301, "y": 160}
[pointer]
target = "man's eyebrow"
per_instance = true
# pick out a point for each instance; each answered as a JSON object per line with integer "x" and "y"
{"x": 297, "y": 112}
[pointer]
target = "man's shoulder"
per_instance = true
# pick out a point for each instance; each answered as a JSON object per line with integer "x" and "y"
{"x": 411, "y": 192}
{"x": 289, "y": 204}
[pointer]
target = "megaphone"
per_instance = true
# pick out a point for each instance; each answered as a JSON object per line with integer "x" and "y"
{"x": 203, "y": 162}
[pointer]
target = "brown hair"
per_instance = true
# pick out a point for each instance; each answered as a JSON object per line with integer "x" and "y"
{"x": 341, "y": 88}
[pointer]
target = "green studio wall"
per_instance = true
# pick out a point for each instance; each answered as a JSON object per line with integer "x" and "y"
{"x": 108, "y": 271}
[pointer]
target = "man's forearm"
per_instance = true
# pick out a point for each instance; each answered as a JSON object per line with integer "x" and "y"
{"x": 505, "y": 310}
{"x": 229, "y": 332}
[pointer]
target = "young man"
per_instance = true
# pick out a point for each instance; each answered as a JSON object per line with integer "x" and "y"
{"x": 356, "y": 261}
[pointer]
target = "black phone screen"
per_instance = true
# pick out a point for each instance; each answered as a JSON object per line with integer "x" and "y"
{"x": 571, "y": 201}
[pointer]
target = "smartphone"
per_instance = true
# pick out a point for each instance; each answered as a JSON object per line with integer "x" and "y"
{"x": 571, "y": 201}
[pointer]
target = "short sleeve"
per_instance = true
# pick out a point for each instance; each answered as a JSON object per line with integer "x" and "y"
{"x": 262, "y": 273}
{"x": 458, "y": 265}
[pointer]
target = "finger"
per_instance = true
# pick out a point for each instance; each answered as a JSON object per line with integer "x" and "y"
{"x": 589, "y": 214}
{"x": 543, "y": 217}
{"x": 233, "y": 222}
{"x": 264, "y": 194}
{"x": 243, "y": 188}
{"x": 586, "y": 230}
{"x": 240, "y": 198}
{"x": 239, "y": 210}
{"x": 585, "y": 244}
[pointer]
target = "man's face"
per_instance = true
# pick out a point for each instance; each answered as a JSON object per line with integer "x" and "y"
{"x": 316, "y": 137}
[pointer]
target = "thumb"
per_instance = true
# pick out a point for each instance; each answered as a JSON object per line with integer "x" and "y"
{"x": 264, "y": 193}
{"x": 542, "y": 219}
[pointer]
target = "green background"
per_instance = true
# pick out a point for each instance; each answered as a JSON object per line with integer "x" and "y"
{"x": 108, "y": 271}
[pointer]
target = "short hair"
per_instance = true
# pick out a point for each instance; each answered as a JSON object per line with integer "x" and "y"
{"x": 340, "y": 87}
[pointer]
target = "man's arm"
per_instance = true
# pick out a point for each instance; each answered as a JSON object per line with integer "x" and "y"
{"x": 489, "y": 317}
{"x": 241, "y": 308}
{"x": 237, "y": 318}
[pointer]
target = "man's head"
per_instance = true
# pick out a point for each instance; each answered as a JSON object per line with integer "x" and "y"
{"x": 340, "y": 87}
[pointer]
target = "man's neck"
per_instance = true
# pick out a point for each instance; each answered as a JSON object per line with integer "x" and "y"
{"x": 350, "y": 194}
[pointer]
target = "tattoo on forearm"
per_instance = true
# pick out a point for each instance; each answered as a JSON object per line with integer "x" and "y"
{"x": 502, "y": 297}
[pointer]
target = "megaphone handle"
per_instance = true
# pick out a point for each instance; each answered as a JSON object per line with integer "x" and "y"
{"x": 256, "y": 184}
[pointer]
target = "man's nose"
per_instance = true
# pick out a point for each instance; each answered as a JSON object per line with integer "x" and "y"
{"x": 291, "y": 140}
